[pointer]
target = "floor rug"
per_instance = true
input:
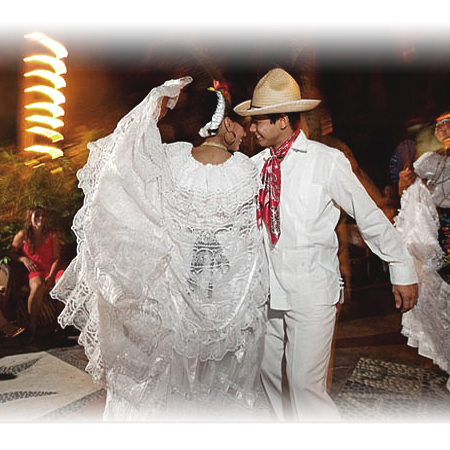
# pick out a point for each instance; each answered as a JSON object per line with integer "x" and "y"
{"x": 382, "y": 390}
{"x": 45, "y": 385}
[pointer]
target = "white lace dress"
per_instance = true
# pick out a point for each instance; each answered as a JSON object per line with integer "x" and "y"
{"x": 169, "y": 285}
{"x": 427, "y": 325}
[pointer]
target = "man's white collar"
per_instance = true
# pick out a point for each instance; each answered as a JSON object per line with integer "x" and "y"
{"x": 301, "y": 143}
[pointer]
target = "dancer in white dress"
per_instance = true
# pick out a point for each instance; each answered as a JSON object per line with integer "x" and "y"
{"x": 170, "y": 281}
{"x": 421, "y": 222}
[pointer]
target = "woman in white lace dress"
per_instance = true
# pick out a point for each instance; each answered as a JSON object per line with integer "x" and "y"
{"x": 424, "y": 223}
{"x": 169, "y": 284}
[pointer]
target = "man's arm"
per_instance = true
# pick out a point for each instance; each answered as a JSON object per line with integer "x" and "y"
{"x": 379, "y": 234}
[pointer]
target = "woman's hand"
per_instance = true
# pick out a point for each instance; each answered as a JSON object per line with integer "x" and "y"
{"x": 405, "y": 179}
{"x": 30, "y": 265}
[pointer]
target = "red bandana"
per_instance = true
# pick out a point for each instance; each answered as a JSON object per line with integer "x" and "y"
{"x": 269, "y": 195}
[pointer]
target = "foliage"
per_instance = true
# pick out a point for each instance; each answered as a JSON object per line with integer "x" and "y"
{"x": 52, "y": 184}
{"x": 7, "y": 231}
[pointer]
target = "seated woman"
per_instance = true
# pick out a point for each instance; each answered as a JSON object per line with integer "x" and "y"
{"x": 38, "y": 249}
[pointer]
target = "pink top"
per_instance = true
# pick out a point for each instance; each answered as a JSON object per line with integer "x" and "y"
{"x": 42, "y": 256}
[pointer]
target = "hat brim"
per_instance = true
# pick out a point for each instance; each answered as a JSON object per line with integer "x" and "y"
{"x": 245, "y": 108}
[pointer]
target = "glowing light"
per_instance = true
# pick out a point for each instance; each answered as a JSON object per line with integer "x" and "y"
{"x": 50, "y": 121}
{"x": 55, "y": 95}
{"x": 52, "y": 151}
{"x": 57, "y": 81}
{"x": 31, "y": 162}
{"x": 57, "y": 170}
{"x": 55, "y": 47}
{"x": 54, "y": 136}
{"x": 54, "y": 110}
{"x": 46, "y": 125}
{"x": 58, "y": 66}
{"x": 39, "y": 165}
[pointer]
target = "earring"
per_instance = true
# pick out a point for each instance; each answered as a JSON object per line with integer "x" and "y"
{"x": 228, "y": 132}
{"x": 229, "y": 141}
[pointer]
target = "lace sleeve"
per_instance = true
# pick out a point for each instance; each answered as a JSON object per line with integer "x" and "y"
{"x": 119, "y": 229}
{"x": 425, "y": 166}
{"x": 418, "y": 224}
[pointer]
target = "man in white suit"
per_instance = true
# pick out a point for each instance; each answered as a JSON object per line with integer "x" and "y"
{"x": 305, "y": 183}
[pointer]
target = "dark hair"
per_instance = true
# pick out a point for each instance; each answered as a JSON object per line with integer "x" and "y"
{"x": 31, "y": 238}
{"x": 294, "y": 118}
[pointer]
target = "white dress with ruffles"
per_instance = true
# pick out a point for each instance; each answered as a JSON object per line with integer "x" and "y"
{"x": 427, "y": 325}
{"x": 169, "y": 284}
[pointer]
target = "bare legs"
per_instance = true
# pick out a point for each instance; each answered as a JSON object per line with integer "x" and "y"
{"x": 37, "y": 291}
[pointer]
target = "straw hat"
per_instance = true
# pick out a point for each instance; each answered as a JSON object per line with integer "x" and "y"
{"x": 276, "y": 92}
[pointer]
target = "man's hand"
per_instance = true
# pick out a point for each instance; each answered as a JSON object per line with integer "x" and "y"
{"x": 405, "y": 296}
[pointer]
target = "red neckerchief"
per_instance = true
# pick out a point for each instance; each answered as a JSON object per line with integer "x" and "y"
{"x": 269, "y": 195}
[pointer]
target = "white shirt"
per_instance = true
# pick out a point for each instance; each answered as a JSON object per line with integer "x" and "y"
{"x": 316, "y": 181}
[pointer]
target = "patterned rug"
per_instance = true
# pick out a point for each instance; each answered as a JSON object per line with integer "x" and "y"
{"x": 45, "y": 386}
{"x": 53, "y": 386}
{"x": 382, "y": 390}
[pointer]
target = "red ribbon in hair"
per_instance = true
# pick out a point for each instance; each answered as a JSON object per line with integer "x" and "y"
{"x": 269, "y": 195}
{"x": 218, "y": 86}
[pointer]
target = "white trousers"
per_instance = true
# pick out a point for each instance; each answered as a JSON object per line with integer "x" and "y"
{"x": 302, "y": 339}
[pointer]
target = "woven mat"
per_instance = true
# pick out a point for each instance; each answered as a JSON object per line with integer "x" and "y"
{"x": 45, "y": 386}
{"x": 382, "y": 390}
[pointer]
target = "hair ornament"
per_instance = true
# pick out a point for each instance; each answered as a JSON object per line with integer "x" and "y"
{"x": 211, "y": 127}
{"x": 222, "y": 87}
